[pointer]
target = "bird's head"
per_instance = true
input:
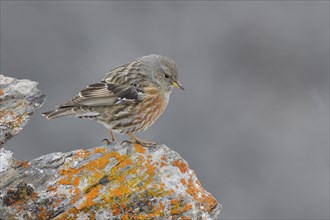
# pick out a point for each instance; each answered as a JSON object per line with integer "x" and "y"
{"x": 163, "y": 72}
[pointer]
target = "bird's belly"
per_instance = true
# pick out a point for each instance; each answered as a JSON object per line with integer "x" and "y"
{"x": 141, "y": 117}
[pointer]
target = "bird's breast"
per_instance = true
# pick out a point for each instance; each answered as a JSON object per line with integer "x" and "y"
{"x": 152, "y": 106}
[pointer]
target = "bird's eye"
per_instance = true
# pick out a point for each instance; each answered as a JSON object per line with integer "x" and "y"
{"x": 166, "y": 76}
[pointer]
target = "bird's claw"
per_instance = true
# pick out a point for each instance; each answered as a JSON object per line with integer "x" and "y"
{"x": 126, "y": 141}
{"x": 142, "y": 142}
{"x": 107, "y": 142}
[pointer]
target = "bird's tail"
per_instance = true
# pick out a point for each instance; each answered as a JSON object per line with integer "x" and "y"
{"x": 59, "y": 113}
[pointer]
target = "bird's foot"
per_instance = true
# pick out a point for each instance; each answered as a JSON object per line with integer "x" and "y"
{"x": 107, "y": 142}
{"x": 144, "y": 143}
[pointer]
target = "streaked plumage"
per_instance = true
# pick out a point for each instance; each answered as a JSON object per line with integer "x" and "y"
{"x": 129, "y": 99}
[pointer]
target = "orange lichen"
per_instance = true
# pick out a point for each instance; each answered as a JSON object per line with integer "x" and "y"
{"x": 162, "y": 164}
{"x": 175, "y": 202}
{"x": 92, "y": 215}
{"x": 101, "y": 150}
{"x": 139, "y": 148}
{"x": 121, "y": 178}
{"x": 67, "y": 180}
{"x": 52, "y": 188}
{"x": 161, "y": 206}
{"x": 25, "y": 164}
{"x": 97, "y": 175}
{"x": 76, "y": 194}
{"x": 1, "y": 92}
{"x": 177, "y": 207}
{"x": 113, "y": 189}
{"x": 200, "y": 194}
{"x": 177, "y": 210}
{"x": 120, "y": 191}
{"x": 183, "y": 181}
{"x": 181, "y": 165}
{"x": 125, "y": 217}
{"x": 76, "y": 181}
{"x": 102, "y": 162}
{"x": 125, "y": 162}
{"x": 116, "y": 209}
{"x": 89, "y": 197}
{"x": 150, "y": 169}
{"x": 83, "y": 154}
{"x": 171, "y": 192}
{"x": 19, "y": 119}
{"x": 42, "y": 213}
{"x": 71, "y": 214}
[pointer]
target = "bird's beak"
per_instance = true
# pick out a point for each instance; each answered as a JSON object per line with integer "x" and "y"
{"x": 177, "y": 85}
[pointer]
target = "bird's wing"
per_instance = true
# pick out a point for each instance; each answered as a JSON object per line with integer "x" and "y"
{"x": 128, "y": 74}
{"x": 104, "y": 94}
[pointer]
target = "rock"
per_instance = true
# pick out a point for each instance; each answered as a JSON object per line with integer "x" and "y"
{"x": 125, "y": 181}
{"x": 19, "y": 99}
{"x": 5, "y": 159}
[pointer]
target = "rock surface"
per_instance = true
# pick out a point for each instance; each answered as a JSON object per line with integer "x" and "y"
{"x": 126, "y": 181}
{"x": 18, "y": 100}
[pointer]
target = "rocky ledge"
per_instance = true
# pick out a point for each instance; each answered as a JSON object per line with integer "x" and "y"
{"x": 18, "y": 100}
{"x": 126, "y": 181}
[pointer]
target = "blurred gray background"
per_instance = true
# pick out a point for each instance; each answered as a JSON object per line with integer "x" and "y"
{"x": 253, "y": 122}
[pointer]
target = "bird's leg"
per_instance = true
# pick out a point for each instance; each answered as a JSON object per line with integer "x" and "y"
{"x": 140, "y": 141}
{"x": 113, "y": 138}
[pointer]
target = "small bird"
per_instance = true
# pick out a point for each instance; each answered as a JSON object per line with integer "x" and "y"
{"x": 129, "y": 99}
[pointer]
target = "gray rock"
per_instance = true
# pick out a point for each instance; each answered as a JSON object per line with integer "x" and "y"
{"x": 125, "y": 181}
{"x": 18, "y": 100}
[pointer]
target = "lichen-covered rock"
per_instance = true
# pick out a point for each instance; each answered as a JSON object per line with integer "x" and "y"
{"x": 125, "y": 181}
{"x": 18, "y": 100}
